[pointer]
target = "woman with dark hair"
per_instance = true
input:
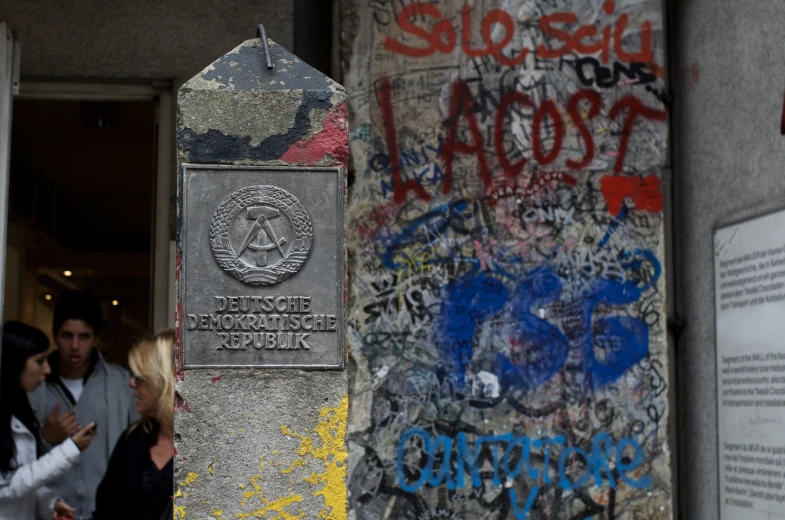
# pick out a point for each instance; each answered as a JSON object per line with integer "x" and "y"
{"x": 141, "y": 468}
{"x": 24, "y": 468}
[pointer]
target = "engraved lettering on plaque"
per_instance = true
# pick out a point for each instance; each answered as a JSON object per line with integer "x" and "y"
{"x": 261, "y": 235}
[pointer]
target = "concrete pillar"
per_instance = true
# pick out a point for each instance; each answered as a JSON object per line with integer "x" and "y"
{"x": 508, "y": 338}
{"x": 261, "y": 403}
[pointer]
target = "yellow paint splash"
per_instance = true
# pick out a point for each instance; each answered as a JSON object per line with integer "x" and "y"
{"x": 179, "y": 511}
{"x": 327, "y": 445}
{"x": 274, "y": 507}
{"x": 189, "y": 479}
{"x": 298, "y": 462}
{"x": 331, "y": 431}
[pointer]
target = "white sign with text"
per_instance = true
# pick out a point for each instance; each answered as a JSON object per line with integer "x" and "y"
{"x": 749, "y": 299}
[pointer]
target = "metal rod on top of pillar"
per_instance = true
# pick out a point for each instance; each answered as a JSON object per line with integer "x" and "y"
{"x": 261, "y": 33}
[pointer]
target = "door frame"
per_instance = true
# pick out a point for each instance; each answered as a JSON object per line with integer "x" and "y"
{"x": 10, "y": 52}
{"x": 162, "y": 266}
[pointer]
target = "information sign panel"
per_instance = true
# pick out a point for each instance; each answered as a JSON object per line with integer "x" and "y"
{"x": 749, "y": 288}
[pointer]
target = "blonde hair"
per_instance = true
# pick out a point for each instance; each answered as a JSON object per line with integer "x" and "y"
{"x": 153, "y": 360}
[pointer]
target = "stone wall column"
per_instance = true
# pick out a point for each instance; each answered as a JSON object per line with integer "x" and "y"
{"x": 261, "y": 403}
{"x": 509, "y": 330}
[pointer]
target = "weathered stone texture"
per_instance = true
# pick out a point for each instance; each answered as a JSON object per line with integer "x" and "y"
{"x": 507, "y": 317}
{"x": 238, "y": 112}
{"x": 263, "y": 442}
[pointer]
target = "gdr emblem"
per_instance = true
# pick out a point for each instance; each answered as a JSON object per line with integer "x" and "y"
{"x": 261, "y": 235}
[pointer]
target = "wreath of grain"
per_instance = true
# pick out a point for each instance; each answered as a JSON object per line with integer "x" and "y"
{"x": 272, "y": 196}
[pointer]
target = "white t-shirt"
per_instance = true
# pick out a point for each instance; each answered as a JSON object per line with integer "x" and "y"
{"x": 74, "y": 386}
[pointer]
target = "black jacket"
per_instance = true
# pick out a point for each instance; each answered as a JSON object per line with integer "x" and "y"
{"x": 122, "y": 495}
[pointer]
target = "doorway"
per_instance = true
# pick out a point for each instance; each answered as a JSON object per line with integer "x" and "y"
{"x": 81, "y": 203}
{"x": 87, "y": 200}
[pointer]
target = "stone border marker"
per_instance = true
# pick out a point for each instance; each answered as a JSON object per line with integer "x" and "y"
{"x": 261, "y": 385}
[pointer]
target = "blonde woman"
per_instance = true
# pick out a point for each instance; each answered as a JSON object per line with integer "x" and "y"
{"x": 138, "y": 482}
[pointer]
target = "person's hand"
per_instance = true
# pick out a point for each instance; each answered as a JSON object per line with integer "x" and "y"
{"x": 57, "y": 429}
{"x": 62, "y": 510}
{"x": 83, "y": 437}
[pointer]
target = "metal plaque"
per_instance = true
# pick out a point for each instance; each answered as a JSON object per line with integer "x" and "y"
{"x": 262, "y": 268}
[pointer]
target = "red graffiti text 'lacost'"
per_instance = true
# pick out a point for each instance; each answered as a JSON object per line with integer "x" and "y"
{"x": 461, "y": 108}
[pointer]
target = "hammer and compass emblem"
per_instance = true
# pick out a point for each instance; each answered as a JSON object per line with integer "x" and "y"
{"x": 261, "y": 232}
{"x": 280, "y": 234}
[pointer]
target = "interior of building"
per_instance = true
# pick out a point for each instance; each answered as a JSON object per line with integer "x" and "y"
{"x": 80, "y": 215}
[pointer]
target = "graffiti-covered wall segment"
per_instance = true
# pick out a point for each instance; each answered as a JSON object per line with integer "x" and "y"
{"x": 507, "y": 324}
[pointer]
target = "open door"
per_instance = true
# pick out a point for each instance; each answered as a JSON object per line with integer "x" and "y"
{"x": 9, "y": 86}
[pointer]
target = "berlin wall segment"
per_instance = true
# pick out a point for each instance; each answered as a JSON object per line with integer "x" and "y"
{"x": 261, "y": 386}
{"x": 507, "y": 324}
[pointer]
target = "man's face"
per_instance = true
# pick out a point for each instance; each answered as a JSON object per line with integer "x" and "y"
{"x": 75, "y": 340}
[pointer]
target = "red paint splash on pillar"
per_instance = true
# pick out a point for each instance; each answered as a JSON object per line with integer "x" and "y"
{"x": 180, "y": 404}
{"x": 332, "y": 141}
{"x": 644, "y": 192}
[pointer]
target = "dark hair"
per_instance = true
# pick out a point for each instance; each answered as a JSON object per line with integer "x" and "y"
{"x": 20, "y": 342}
{"x": 78, "y": 305}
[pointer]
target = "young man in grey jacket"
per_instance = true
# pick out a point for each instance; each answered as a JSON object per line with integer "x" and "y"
{"x": 81, "y": 389}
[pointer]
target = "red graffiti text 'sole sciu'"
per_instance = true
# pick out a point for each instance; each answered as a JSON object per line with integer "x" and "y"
{"x": 586, "y": 39}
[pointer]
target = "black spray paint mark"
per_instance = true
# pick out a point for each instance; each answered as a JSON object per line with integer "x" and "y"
{"x": 214, "y": 146}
